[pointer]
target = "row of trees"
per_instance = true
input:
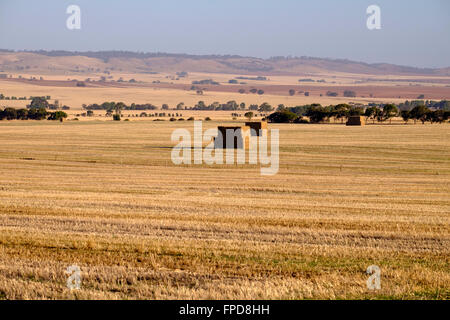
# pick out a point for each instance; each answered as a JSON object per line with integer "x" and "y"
{"x": 3, "y": 97}
{"x": 232, "y": 106}
{"x": 42, "y": 102}
{"x": 31, "y": 114}
{"x": 424, "y": 114}
{"x": 317, "y": 113}
{"x": 119, "y": 106}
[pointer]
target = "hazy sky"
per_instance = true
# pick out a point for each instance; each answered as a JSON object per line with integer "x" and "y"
{"x": 414, "y": 32}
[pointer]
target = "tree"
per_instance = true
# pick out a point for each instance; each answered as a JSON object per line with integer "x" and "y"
{"x": 57, "y": 115}
{"x": 419, "y": 113}
{"x": 37, "y": 113}
{"x": 406, "y": 115}
{"x": 90, "y": 113}
{"x": 317, "y": 113}
{"x": 118, "y": 107}
{"x": 372, "y": 113}
{"x": 249, "y": 115}
{"x": 281, "y": 107}
{"x": 241, "y": 91}
{"x": 332, "y": 94}
{"x": 260, "y": 92}
{"x": 438, "y": 116}
{"x": 180, "y": 106}
{"x": 349, "y": 93}
{"x": 265, "y": 107}
{"x": 341, "y": 111}
{"x": 291, "y": 92}
{"x": 282, "y": 117}
{"x": 38, "y": 102}
{"x": 356, "y": 111}
{"x": 165, "y": 107}
{"x": 22, "y": 114}
{"x": 389, "y": 111}
{"x": 9, "y": 114}
{"x": 306, "y": 94}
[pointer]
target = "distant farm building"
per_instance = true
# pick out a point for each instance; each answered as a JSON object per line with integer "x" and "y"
{"x": 238, "y": 138}
{"x": 356, "y": 121}
{"x": 260, "y": 127}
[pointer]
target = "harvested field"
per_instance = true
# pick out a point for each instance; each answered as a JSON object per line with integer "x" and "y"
{"x": 106, "y": 197}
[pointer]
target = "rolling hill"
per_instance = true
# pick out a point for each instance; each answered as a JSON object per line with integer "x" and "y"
{"x": 85, "y": 62}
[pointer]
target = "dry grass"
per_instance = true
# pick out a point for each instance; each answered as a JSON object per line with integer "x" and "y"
{"x": 106, "y": 196}
{"x": 172, "y": 92}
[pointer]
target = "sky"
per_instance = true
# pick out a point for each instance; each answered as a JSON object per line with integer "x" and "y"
{"x": 413, "y": 32}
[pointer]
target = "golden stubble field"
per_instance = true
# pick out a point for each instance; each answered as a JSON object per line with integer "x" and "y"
{"x": 106, "y": 197}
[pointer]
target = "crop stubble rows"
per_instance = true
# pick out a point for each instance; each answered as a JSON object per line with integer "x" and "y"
{"x": 106, "y": 196}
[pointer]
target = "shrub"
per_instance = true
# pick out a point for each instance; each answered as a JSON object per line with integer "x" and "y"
{"x": 207, "y": 119}
{"x": 191, "y": 119}
{"x": 173, "y": 119}
{"x": 116, "y": 117}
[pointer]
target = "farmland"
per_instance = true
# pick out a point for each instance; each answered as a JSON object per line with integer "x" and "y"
{"x": 105, "y": 196}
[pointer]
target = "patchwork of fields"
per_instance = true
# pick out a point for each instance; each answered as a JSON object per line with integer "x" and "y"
{"x": 105, "y": 196}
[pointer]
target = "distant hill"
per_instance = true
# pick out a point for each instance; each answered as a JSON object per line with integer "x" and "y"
{"x": 65, "y": 61}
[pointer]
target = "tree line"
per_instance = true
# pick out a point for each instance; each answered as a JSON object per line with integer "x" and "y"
{"x": 31, "y": 114}
{"x": 317, "y": 113}
{"x": 113, "y": 106}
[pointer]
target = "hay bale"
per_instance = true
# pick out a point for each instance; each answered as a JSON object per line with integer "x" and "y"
{"x": 241, "y": 137}
{"x": 356, "y": 121}
{"x": 258, "y": 126}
